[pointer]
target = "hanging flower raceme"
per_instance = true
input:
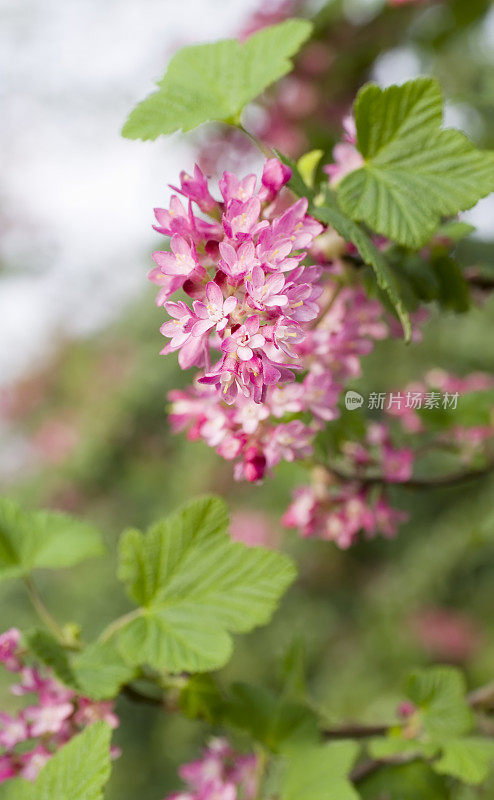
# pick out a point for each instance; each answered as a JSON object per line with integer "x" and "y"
{"x": 30, "y": 738}
{"x": 338, "y": 506}
{"x": 272, "y": 362}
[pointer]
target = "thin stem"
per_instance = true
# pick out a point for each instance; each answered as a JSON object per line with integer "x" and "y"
{"x": 265, "y": 149}
{"x": 483, "y": 697}
{"x": 43, "y": 612}
{"x": 417, "y": 483}
{"x": 355, "y": 731}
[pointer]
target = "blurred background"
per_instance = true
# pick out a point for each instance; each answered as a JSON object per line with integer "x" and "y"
{"x": 83, "y": 390}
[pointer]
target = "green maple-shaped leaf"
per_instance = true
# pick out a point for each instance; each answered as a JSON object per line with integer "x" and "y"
{"x": 42, "y": 539}
{"x": 439, "y": 693}
{"x": 79, "y": 771}
{"x": 320, "y": 773}
{"x": 194, "y": 587}
{"x": 215, "y": 81}
{"x": 414, "y": 171}
{"x": 469, "y": 759}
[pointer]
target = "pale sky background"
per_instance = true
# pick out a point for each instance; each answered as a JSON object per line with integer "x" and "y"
{"x": 76, "y": 199}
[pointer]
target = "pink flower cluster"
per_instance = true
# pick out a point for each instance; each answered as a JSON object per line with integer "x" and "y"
{"x": 221, "y": 774}
{"x": 287, "y": 333}
{"x": 284, "y": 425}
{"x": 337, "y": 507}
{"x": 43, "y": 727}
{"x": 244, "y": 273}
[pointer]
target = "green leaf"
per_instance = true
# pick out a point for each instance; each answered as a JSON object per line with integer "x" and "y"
{"x": 307, "y": 165}
{"x": 42, "y": 539}
{"x": 100, "y": 671}
{"x": 414, "y": 171}
{"x": 147, "y": 561}
{"x": 469, "y": 759}
{"x": 195, "y": 587}
{"x": 78, "y": 771}
{"x": 404, "y": 782}
{"x": 439, "y": 693}
{"x": 330, "y": 214}
{"x": 215, "y": 81}
{"x": 320, "y": 773}
{"x": 270, "y": 719}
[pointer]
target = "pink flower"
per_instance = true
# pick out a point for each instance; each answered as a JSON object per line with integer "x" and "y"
{"x": 181, "y": 261}
{"x": 48, "y": 718}
{"x": 196, "y": 189}
{"x": 179, "y": 329}
{"x": 221, "y": 774}
{"x": 12, "y": 731}
{"x": 387, "y": 518}
{"x": 346, "y": 156}
{"x": 236, "y": 263}
{"x": 241, "y": 218}
{"x": 169, "y": 284}
{"x": 274, "y": 176}
{"x": 245, "y": 340}
{"x": 447, "y": 634}
{"x": 33, "y": 762}
{"x": 9, "y": 646}
{"x": 265, "y": 292}
{"x": 7, "y": 768}
{"x": 215, "y": 312}
{"x": 321, "y": 395}
{"x": 288, "y": 442}
{"x": 90, "y": 711}
{"x": 397, "y": 463}
{"x": 286, "y": 335}
{"x": 234, "y": 189}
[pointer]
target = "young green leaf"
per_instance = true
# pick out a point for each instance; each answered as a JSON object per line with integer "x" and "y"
{"x": 321, "y": 773}
{"x": 215, "y": 81}
{"x": 439, "y": 693}
{"x": 42, "y": 539}
{"x": 194, "y": 586}
{"x": 469, "y": 759}
{"x": 78, "y": 771}
{"x": 414, "y": 171}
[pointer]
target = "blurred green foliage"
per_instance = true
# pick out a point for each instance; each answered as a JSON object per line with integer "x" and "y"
{"x": 354, "y": 615}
